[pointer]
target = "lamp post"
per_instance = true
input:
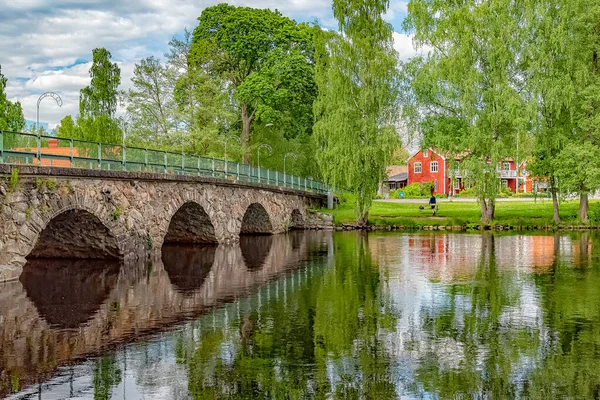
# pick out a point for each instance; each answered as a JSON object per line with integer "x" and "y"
{"x": 59, "y": 102}
{"x": 56, "y": 98}
{"x": 295, "y": 157}
{"x": 262, "y": 146}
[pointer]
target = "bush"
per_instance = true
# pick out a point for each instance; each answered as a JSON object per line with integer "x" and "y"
{"x": 415, "y": 190}
{"x": 469, "y": 192}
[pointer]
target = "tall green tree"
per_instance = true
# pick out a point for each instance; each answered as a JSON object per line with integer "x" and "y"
{"x": 150, "y": 101}
{"x": 102, "y": 95}
{"x": 266, "y": 60}
{"x": 11, "y": 114}
{"x": 356, "y": 109}
{"x": 467, "y": 91}
{"x": 203, "y": 107}
{"x": 547, "y": 69}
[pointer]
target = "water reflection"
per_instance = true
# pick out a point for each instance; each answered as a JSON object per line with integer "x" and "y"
{"x": 188, "y": 265}
{"x": 67, "y": 293}
{"x": 65, "y": 310}
{"x": 255, "y": 250}
{"x": 382, "y": 316}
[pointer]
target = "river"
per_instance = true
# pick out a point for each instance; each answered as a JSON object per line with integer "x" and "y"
{"x": 313, "y": 315}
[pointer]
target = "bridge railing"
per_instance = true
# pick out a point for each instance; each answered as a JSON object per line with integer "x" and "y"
{"x": 31, "y": 149}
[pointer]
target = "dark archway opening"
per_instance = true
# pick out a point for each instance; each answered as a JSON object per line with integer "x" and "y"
{"x": 67, "y": 294}
{"x": 190, "y": 224}
{"x": 256, "y": 221}
{"x": 76, "y": 234}
{"x": 255, "y": 250}
{"x": 188, "y": 265}
{"x": 297, "y": 219}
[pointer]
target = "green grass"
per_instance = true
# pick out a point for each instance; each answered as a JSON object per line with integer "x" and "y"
{"x": 521, "y": 213}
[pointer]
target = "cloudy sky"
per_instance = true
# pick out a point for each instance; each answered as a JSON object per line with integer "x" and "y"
{"x": 45, "y": 45}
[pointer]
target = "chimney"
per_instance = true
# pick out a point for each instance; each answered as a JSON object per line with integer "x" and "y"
{"x": 52, "y": 143}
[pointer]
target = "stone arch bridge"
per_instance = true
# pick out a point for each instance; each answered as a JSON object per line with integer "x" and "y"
{"x": 51, "y": 212}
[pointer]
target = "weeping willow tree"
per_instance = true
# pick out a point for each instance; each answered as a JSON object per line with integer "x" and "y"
{"x": 356, "y": 109}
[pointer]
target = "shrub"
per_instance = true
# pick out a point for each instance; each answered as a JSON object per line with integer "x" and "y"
{"x": 14, "y": 180}
{"x": 469, "y": 192}
{"x": 415, "y": 190}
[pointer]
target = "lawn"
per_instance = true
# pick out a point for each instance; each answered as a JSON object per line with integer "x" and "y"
{"x": 521, "y": 213}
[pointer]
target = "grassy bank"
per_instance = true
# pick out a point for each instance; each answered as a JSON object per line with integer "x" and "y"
{"x": 514, "y": 214}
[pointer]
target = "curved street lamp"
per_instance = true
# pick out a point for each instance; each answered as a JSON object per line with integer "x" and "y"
{"x": 295, "y": 157}
{"x": 262, "y": 146}
{"x": 56, "y": 98}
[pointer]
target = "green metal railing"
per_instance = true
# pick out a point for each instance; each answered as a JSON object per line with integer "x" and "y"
{"x": 27, "y": 148}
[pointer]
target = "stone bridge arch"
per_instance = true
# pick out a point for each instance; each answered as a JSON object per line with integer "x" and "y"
{"x": 68, "y": 226}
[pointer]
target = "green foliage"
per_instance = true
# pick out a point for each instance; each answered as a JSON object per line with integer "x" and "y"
{"x": 51, "y": 184}
{"x": 356, "y": 108}
{"x": 268, "y": 68}
{"x": 14, "y": 180}
{"x": 107, "y": 375}
{"x": 467, "y": 84}
{"x": 28, "y": 212}
{"x": 415, "y": 190}
{"x": 116, "y": 213}
{"x": 100, "y": 98}
{"x": 11, "y": 114}
{"x": 577, "y": 168}
{"x": 467, "y": 192}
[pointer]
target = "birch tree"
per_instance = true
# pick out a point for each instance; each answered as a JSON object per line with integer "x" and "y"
{"x": 356, "y": 108}
{"x": 469, "y": 86}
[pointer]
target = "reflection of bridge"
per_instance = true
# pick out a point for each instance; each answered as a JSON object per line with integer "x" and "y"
{"x": 96, "y": 307}
{"x": 50, "y": 212}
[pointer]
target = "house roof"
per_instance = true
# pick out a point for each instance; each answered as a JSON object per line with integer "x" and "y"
{"x": 392, "y": 170}
{"x": 399, "y": 178}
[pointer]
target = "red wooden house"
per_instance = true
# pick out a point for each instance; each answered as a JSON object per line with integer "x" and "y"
{"x": 431, "y": 166}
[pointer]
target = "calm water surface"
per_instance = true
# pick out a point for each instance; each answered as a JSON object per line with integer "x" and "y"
{"x": 313, "y": 315}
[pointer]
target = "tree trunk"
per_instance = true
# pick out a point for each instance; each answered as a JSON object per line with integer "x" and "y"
{"x": 583, "y": 207}
{"x": 364, "y": 220}
{"x": 246, "y": 122}
{"x": 487, "y": 211}
{"x": 556, "y": 217}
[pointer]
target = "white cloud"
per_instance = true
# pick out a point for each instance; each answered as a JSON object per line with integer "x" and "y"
{"x": 41, "y": 40}
{"x": 404, "y": 45}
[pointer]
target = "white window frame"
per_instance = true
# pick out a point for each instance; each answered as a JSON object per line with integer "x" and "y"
{"x": 506, "y": 166}
{"x": 420, "y": 165}
{"x": 437, "y": 166}
{"x": 426, "y": 153}
{"x": 456, "y": 184}
{"x": 504, "y": 183}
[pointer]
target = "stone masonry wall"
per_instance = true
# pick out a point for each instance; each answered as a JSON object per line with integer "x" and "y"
{"x": 134, "y": 209}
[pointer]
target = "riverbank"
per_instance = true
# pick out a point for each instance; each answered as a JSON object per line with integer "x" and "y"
{"x": 527, "y": 214}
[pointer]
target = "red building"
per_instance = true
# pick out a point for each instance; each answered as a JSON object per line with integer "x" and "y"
{"x": 431, "y": 166}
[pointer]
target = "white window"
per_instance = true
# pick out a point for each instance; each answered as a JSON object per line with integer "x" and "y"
{"x": 417, "y": 168}
{"x": 504, "y": 183}
{"x": 506, "y": 166}
{"x": 426, "y": 153}
{"x": 433, "y": 167}
{"x": 456, "y": 184}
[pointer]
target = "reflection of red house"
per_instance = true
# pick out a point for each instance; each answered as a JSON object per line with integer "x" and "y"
{"x": 430, "y": 166}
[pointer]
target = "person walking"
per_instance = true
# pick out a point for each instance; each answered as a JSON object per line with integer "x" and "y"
{"x": 433, "y": 203}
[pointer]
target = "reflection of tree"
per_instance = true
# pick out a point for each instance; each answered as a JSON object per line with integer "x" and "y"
{"x": 331, "y": 321}
{"x": 481, "y": 351}
{"x": 106, "y": 376}
{"x": 571, "y": 303}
